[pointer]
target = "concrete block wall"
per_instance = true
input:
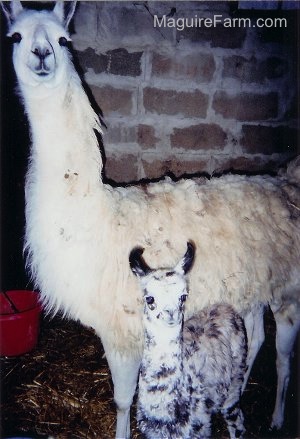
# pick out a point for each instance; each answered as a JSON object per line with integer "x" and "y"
{"x": 200, "y": 99}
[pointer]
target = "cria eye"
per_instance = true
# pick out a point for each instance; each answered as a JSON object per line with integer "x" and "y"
{"x": 183, "y": 298}
{"x": 16, "y": 37}
{"x": 62, "y": 41}
{"x": 150, "y": 300}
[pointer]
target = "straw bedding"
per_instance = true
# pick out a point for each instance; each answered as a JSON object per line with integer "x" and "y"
{"x": 63, "y": 389}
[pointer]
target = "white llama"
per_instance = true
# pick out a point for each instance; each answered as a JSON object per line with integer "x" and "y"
{"x": 190, "y": 368}
{"x": 80, "y": 231}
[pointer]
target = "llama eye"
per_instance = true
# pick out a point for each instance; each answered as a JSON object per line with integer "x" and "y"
{"x": 62, "y": 41}
{"x": 150, "y": 302}
{"x": 183, "y": 298}
{"x": 16, "y": 37}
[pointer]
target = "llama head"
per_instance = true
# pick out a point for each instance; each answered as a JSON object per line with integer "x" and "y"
{"x": 39, "y": 40}
{"x": 165, "y": 289}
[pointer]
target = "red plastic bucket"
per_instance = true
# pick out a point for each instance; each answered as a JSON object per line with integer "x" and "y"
{"x": 19, "y": 321}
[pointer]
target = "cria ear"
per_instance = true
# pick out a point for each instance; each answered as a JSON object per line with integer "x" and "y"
{"x": 137, "y": 262}
{"x": 59, "y": 11}
{"x": 13, "y": 11}
{"x": 186, "y": 262}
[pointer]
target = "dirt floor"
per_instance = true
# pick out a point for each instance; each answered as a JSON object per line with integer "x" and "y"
{"x": 63, "y": 389}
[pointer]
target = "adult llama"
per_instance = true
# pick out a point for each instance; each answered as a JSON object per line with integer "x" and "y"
{"x": 80, "y": 231}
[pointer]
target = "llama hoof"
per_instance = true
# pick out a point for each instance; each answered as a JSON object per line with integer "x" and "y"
{"x": 276, "y": 423}
{"x": 274, "y": 429}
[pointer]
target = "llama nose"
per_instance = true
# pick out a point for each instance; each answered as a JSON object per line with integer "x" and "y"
{"x": 41, "y": 48}
{"x": 170, "y": 313}
{"x": 41, "y": 53}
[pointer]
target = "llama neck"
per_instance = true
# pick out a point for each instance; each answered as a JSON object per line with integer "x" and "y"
{"x": 158, "y": 337}
{"x": 162, "y": 358}
{"x": 163, "y": 399}
{"x": 62, "y": 126}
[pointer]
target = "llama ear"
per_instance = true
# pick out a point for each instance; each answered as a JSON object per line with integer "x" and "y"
{"x": 12, "y": 12}
{"x": 59, "y": 11}
{"x": 186, "y": 262}
{"x": 137, "y": 262}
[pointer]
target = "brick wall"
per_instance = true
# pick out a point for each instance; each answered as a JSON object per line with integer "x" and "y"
{"x": 207, "y": 99}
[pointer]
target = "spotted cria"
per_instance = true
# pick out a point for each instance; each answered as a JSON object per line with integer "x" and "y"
{"x": 190, "y": 369}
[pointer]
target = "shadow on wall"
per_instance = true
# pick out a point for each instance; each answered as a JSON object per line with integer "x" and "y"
{"x": 14, "y": 153}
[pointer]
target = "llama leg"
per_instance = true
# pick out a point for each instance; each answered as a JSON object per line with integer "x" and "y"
{"x": 287, "y": 326}
{"x": 124, "y": 371}
{"x": 254, "y": 324}
{"x": 200, "y": 420}
{"x": 201, "y": 429}
{"x": 235, "y": 421}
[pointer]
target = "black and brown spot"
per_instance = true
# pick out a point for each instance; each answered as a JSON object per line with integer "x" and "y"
{"x": 209, "y": 403}
{"x": 157, "y": 388}
{"x": 165, "y": 372}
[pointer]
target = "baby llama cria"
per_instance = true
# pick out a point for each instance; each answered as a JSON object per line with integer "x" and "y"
{"x": 190, "y": 368}
{"x": 80, "y": 231}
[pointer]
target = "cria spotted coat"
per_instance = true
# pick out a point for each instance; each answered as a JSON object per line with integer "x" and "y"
{"x": 190, "y": 369}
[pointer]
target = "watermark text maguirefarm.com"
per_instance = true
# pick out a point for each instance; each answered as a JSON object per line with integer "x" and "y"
{"x": 218, "y": 20}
